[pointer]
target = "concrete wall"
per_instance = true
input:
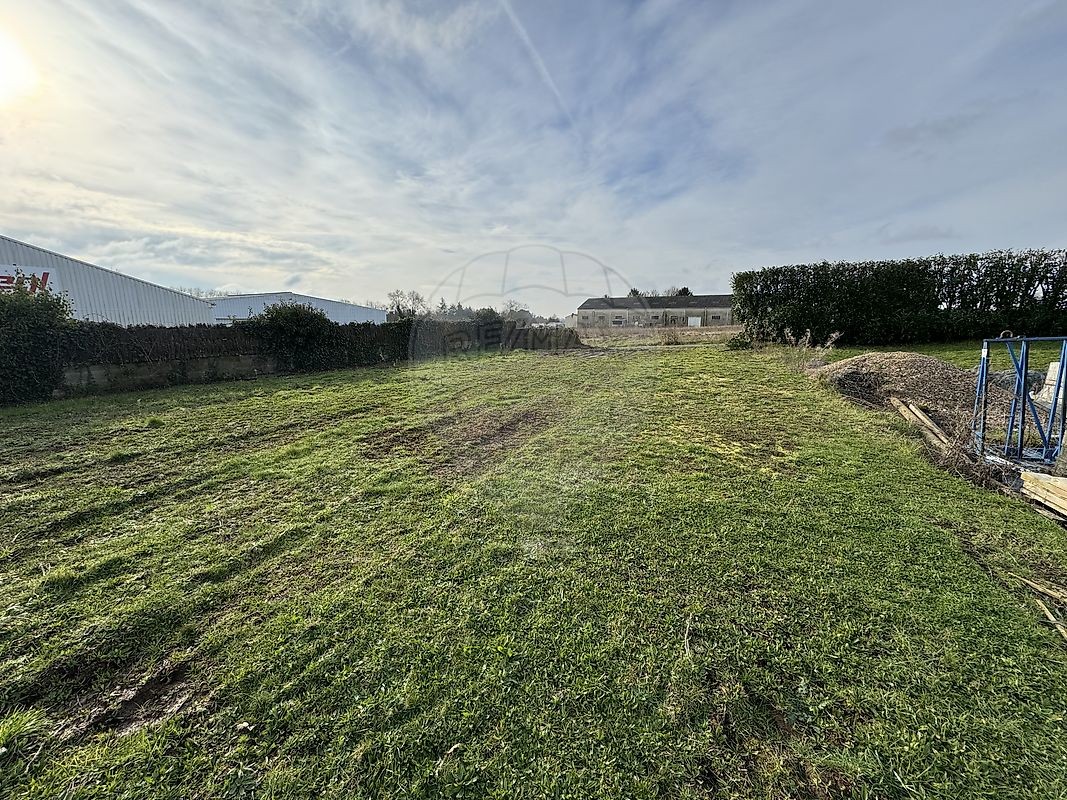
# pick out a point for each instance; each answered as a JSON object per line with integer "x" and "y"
{"x": 101, "y": 378}
{"x": 98, "y": 378}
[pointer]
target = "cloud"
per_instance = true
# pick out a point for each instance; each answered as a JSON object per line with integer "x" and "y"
{"x": 535, "y": 57}
{"x": 936, "y": 131}
{"x": 920, "y": 232}
{"x": 365, "y": 145}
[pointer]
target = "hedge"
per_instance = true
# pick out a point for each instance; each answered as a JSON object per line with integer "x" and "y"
{"x": 939, "y": 298}
{"x": 299, "y": 338}
{"x": 32, "y": 325}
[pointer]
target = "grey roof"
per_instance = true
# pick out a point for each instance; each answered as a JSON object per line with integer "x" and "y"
{"x": 285, "y": 295}
{"x": 675, "y": 301}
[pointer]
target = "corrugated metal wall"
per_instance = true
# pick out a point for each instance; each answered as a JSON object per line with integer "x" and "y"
{"x": 100, "y": 295}
{"x": 245, "y": 305}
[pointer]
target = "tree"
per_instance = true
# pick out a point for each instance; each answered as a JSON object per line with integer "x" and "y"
{"x": 299, "y": 336}
{"x": 684, "y": 292}
{"x": 488, "y": 316}
{"x": 634, "y": 292}
{"x": 32, "y": 321}
{"x": 407, "y": 305}
{"x": 516, "y": 312}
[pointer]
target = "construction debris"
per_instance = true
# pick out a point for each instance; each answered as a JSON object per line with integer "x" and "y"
{"x": 1055, "y": 592}
{"x": 929, "y": 429}
{"x": 1059, "y": 626}
{"x": 944, "y": 392}
{"x": 1049, "y": 490}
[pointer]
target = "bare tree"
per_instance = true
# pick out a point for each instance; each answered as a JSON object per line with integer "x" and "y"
{"x": 406, "y": 305}
{"x": 514, "y": 311}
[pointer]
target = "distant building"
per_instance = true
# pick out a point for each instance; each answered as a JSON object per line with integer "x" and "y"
{"x": 694, "y": 311}
{"x": 231, "y": 308}
{"x": 97, "y": 294}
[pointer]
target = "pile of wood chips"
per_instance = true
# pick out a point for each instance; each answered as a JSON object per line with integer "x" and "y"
{"x": 945, "y": 392}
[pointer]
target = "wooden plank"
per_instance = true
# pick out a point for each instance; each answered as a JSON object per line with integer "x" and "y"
{"x": 1059, "y": 626}
{"x": 1042, "y": 492}
{"x": 1041, "y": 479}
{"x": 1050, "y": 591}
{"x": 1046, "y": 488}
{"x": 1048, "y": 513}
{"x": 909, "y": 415}
{"x": 1057, "y": 504}
{"x": 930, "y": 424}
{"x": 1044, "y": 495}
{"x": 1049, "y": 480}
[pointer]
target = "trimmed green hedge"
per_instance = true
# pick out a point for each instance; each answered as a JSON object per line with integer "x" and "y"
{"x": 940, "y": 298}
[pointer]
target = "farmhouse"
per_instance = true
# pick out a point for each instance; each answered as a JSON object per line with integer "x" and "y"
{"x": 694, "y": 310}
{"x": 242, "y": 306}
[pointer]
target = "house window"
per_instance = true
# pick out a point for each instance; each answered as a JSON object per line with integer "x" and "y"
{"x": 715, "y": 316}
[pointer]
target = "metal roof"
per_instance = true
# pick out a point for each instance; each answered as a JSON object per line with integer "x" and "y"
{"x": 673, "y": 301}
{"x": 243, "y": 306}
{"x": 100, "y": 294}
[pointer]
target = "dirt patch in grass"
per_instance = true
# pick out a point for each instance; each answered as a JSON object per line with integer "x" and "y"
{"x": 944, "y": 391}
{"x": 131, "y": 701}
{"x": 155, "y": 698}
{"x": 759, "y": 741}
{"x": 462, "y": 444}
{"x": 472, "y": 442}
{"x": 395, "y": 440}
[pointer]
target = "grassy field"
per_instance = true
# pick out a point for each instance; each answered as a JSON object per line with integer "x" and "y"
{"x": 676, "y": 573}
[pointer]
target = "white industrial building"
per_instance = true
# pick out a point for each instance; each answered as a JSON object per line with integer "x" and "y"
{"x": 98, "y": 294}
{"x": 231, "y": 308}
{"x": 103, "y": 295}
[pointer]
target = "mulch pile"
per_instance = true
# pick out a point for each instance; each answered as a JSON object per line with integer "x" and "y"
{"x": 944, "y": 391}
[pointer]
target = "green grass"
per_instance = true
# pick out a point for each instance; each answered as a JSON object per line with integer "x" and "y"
{"x": 681, "y": 573}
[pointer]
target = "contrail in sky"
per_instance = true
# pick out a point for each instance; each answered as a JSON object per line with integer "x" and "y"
{"x": 535, "y": 56}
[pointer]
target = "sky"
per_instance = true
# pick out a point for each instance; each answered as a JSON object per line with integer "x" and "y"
{"x": 484, "y": 150}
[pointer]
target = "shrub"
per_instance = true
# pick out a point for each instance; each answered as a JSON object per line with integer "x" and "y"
{"x": 739, "y": 342}
{"x": 32, "y": 322}
{"x": 302, "y": 338}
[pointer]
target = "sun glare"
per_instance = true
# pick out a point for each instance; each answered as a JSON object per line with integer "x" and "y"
{"x": 18, "y": 77}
